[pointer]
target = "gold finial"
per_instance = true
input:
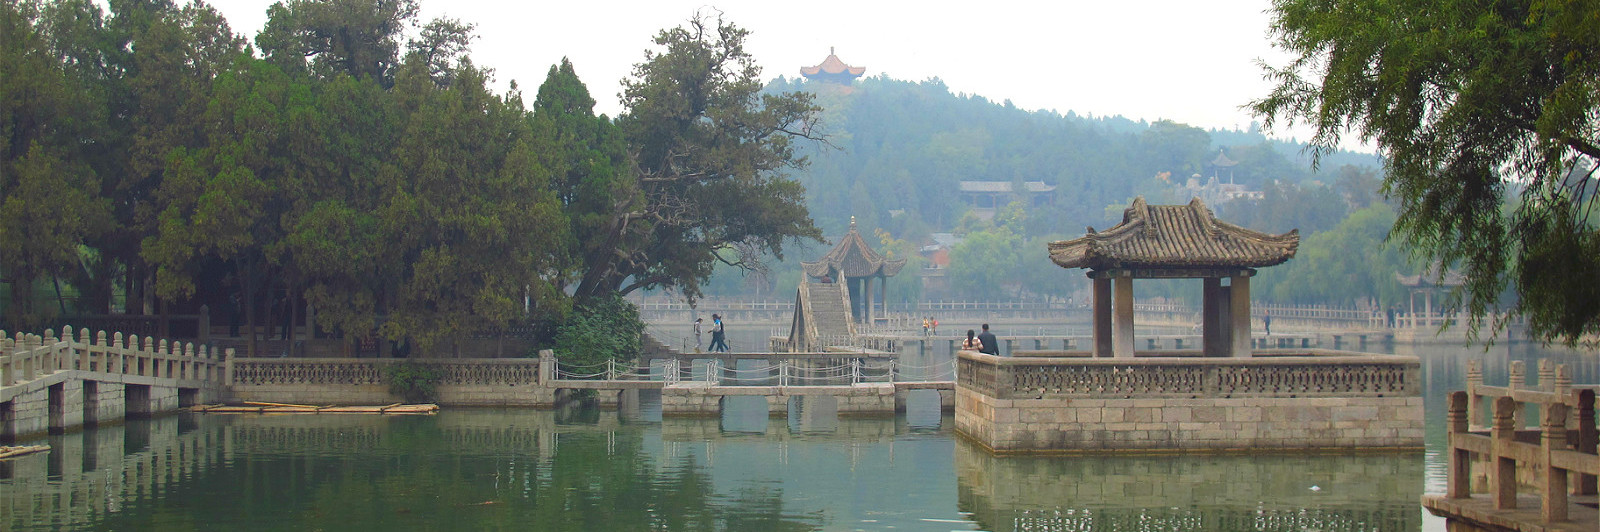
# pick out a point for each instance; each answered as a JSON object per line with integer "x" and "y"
{"x": 852, "y": 223}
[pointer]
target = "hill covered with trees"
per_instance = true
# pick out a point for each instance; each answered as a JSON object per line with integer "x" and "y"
{"x": 896, "y": 152}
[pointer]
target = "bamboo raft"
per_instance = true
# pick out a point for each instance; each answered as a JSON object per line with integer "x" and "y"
{"x": 250, "y": 407}
{"x": 7, "y": 453}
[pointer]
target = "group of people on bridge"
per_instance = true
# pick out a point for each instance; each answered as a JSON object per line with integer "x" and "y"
{"x": 719, "y": 336}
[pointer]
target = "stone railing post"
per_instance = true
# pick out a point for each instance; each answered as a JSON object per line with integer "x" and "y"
{"x": 227, "y": 366}
{"x": 114, "y": 361}
{"x": 159, "y": 360}
{"x": 547, "y": 366}
{"x": 32, "y": 362}
{"x": 1518, "y": 380}
{"x": 1583, "y": 419}
{"x": 52, "y": 353}
{"x": 1459, "y": 474}
{"x": 85, "y": 351}
{"x": 1553, "y": 419}
{"x": 6, "y": 376}
{"x": 1547, "y": 375}
{"x": 1503, "y": 470}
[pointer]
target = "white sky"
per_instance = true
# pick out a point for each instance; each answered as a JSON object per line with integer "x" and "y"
{"x": 1192, "y": 62}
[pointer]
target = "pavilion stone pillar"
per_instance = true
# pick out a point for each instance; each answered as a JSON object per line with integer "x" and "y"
{"x": 867, "y": 297}
{"x": 1102, "y": 317}
{"x": 1427, "y": 308}
{"x": 1122, "y": 317}
{"x": 1239, "y": 293}
{"x": 1211, "y": 344}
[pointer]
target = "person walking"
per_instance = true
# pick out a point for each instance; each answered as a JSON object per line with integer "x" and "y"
{"x": 1266, "y": 322}
{"x": 991, "y": 346}
{"x": 924, "y": 327}
{"x": 935, "y": 326}
{"x": 697, "y": 344}
{"x": 719, "y": 335}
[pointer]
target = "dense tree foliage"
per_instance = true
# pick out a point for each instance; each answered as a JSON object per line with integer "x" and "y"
{"x": 1474, "y": 105}
{"x": 710, "y": 149}
{"x": 375, "y": 182}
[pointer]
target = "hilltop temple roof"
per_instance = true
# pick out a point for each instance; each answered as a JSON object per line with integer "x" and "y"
{"x": 1003, "y": 186}
{"x": 852, "y": 257}
{"x": 1154, "y": 237}
{"x": 832, "y": 65}
{"x": 1223, "y": 161}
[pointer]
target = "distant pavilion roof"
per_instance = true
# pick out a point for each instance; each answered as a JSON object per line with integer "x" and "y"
{"x": 1003, "y": 186}
{"x": 1174, "y": 237}
{"x": 832, "y": 65}
{"x": 852, "y": 257}
{"x": 1431, "y": 278}
{"x": 1222, "y": 160}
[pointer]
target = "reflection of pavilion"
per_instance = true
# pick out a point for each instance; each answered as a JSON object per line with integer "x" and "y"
{"x": 1167, "y": 242}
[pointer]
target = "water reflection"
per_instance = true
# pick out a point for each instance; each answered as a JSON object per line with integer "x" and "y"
{"x": 1193, "y": 492}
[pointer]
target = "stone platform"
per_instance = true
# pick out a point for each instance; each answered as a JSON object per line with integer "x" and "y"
{"x": 1314, "y": 400}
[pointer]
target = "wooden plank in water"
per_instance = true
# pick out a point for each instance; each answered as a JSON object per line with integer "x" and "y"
{"x": 14, "y": 452}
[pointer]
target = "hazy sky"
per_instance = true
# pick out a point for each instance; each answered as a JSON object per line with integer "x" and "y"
{"x": 1193, "y": 62}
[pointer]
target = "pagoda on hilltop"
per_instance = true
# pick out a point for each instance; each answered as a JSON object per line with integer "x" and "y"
{"x": 832, "y": 70}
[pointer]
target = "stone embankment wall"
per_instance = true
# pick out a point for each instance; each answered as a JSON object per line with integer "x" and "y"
{"x": 1323, "y": 400}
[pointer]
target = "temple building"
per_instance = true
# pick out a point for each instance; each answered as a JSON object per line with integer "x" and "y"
{"x": 1223, "y": 164}
{"x": 1174, "y": 241}
{"x": 986, "y": 197}
{"x": 854, "y": 263}
{"x": 832, "y": 70}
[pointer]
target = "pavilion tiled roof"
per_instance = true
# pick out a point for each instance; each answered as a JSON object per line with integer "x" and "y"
{"x": 832, "y": 65}
{"x": 853, "y": 258}
{"x": 1174, "y": 237}
{"x": 1222, "y": 160}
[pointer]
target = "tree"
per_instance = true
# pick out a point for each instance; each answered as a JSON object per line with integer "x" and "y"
{"x": 986, "y": 262}
{"x": 49, "y": 197}
{"x": 588, "y": 161}
{"x": 360, "y": 38}
{"x": 1471, "y": 103}
{"x": 710, "y": 151}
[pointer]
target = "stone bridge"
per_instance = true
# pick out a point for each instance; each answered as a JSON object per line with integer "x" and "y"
{"x": 50, "y": 384}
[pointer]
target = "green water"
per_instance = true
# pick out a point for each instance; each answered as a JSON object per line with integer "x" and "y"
{"x": 584, "y": 469}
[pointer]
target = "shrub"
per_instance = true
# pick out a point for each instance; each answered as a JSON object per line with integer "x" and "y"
{"x": 598, "y": 330}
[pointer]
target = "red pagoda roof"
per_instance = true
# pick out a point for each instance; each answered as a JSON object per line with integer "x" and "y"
{"x": 832, "y": 65}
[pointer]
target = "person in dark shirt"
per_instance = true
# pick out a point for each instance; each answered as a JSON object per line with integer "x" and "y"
{"x": 991, "y": 346}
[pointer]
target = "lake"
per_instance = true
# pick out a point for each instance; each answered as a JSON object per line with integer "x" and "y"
{"x": 584, "y": 469}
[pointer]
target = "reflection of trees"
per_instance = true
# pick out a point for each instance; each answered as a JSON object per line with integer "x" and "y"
{"x": 468, "y": 471}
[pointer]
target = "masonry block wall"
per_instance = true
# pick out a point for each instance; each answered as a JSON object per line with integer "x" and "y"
{"x": 1323, "y": 400}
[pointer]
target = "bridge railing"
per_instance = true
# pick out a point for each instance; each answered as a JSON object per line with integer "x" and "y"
{"x": 784, "y": 373}
{"x": 24, "y": 357}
